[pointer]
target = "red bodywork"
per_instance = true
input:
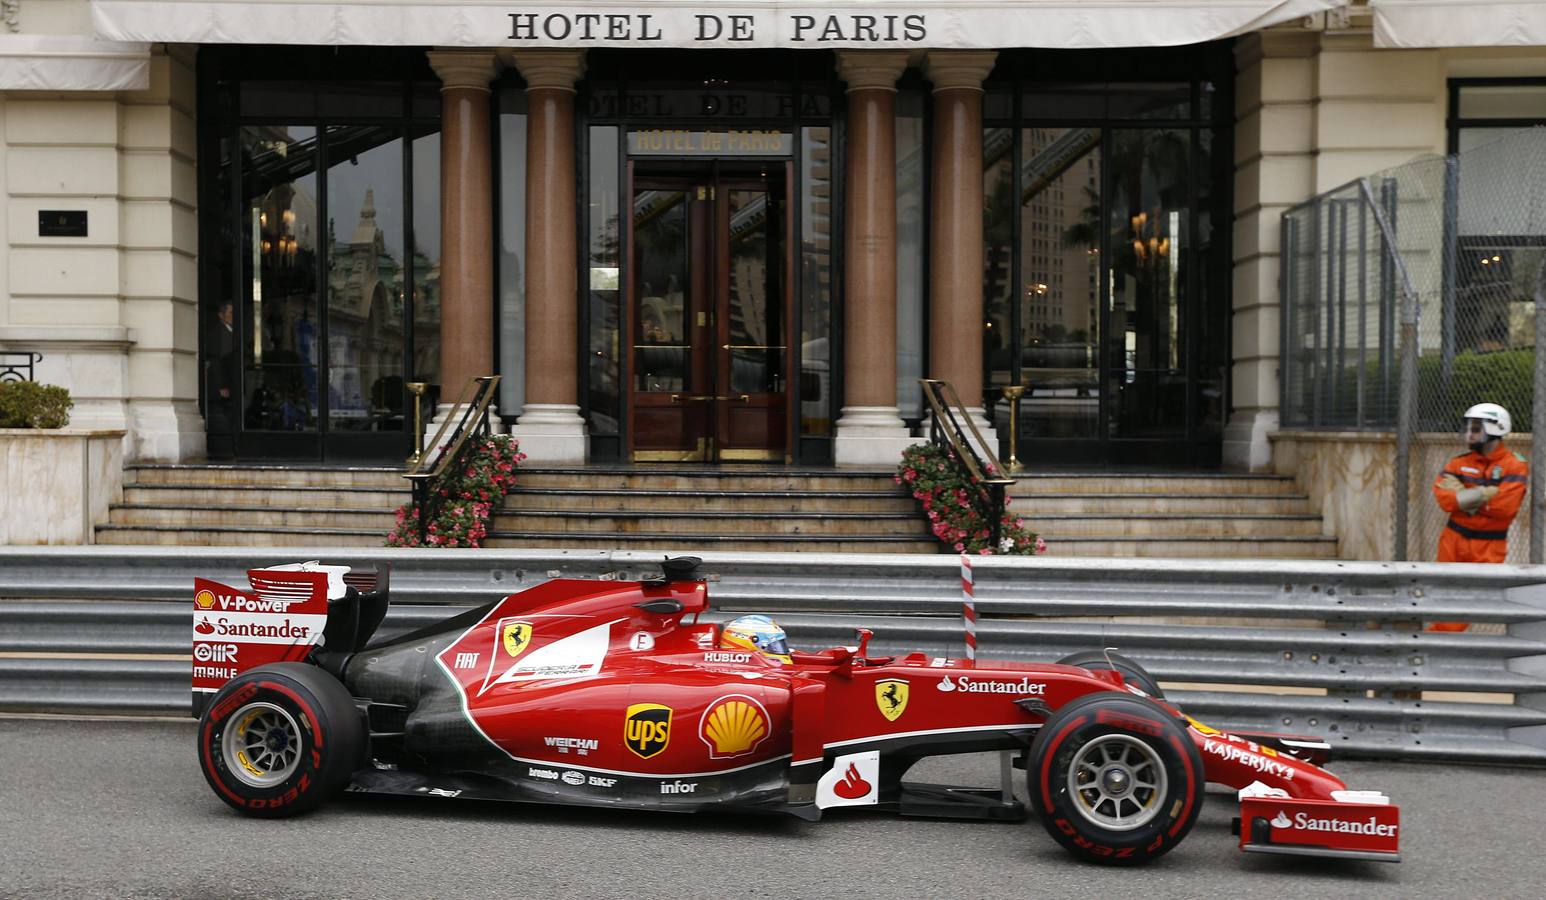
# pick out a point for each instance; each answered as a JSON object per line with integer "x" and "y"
{"x": 613, "y": 693}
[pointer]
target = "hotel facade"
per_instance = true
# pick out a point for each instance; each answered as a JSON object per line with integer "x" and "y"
{"x": 713, "y": 233}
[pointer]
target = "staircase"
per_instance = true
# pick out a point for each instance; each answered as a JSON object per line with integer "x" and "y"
{"x": 685, "y": 508}
{"x": 711, "y": 508}
{"x": 1185, "y": 514}
{"x": 238, "y": 505}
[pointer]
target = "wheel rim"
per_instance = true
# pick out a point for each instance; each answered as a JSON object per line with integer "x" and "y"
{"x": 1117, "y": 782}
{"x": 261, "y": 745}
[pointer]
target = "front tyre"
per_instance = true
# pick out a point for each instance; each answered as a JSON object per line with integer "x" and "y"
{"x": 1115, "y": 779}
{"x": 279, "y": 739}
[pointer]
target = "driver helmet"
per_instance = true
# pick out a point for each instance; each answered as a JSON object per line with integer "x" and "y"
{"x": 756, "y": 633}
{"x": 1495, "y": 420}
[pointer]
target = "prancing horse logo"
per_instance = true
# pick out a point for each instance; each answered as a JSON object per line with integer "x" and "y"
{"x": 514, "y": 637}
{"x": 891, "y": 698}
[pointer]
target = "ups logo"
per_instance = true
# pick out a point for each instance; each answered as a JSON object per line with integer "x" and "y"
{"x": 647, "y": 729}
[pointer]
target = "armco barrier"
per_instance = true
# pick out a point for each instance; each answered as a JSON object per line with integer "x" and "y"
{"x": 1334, "y": 649}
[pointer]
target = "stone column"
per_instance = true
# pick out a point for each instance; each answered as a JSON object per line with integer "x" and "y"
{"x": 955, "y": 231}
{"x": 1274, "y": 169}
{"x": 550, "y": 428}
{"x": 870, "y": 429}
{"x": 466, "y": 220}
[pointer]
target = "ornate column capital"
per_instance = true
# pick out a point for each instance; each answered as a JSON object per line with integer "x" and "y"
{"x": 465, "y": 68}
{"x": 958, "y": 70}
{"x": 551, "y": 69}
{"x": 871, "y": 70}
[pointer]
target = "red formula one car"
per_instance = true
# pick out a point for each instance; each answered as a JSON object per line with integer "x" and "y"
{"x": 612, "y": 693}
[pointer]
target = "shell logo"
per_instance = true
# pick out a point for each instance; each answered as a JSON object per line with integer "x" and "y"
{"x": 204, "y": 599}
{"x": 733, "y": 726}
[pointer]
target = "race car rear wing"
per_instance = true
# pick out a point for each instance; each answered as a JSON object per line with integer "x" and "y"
{"x": 286, "y": 614}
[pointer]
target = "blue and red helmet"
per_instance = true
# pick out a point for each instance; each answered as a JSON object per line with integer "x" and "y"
{"x": 756, "y": 633}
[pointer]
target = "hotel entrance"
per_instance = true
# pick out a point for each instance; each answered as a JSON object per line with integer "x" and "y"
{"x": 709, "y": 303}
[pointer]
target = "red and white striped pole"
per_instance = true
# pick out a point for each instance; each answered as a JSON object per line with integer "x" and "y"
{"x": 968, "y": 608}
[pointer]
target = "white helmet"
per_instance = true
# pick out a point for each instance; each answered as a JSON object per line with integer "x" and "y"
{"x": 1495, "y": 419}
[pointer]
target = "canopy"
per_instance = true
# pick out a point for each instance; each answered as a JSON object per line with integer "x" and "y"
{"x": 1459, "y": 23}
{"x": 810, "y": 24}
{"x": 59, "y": 62}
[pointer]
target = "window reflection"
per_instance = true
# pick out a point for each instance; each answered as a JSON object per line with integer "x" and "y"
{"x": 279, "y": 182}
{"x": 1059, "y": 296}
{"x": 816, "y": 282}
{"x": 366, "y": 274}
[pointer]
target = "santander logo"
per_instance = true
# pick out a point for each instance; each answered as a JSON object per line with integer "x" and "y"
{"x": 852, "y": 787}
{"x": 204, "y": 627}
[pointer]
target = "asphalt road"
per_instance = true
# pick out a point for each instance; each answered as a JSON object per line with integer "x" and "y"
{"x": 119, "y": 809}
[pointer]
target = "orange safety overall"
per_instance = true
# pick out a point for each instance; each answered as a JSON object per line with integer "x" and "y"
{"x": 1481, "y": 536}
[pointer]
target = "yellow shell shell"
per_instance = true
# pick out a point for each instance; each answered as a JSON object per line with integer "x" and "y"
{"x": 735, "y": 727}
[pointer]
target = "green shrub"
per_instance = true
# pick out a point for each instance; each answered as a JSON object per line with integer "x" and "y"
{"x": 1505, "y": 377}
{"x": 27, "y": 404}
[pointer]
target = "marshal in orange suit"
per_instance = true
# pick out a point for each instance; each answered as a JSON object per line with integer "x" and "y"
{"x": 1481, "y": 490}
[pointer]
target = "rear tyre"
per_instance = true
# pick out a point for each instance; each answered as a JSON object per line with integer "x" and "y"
{"x": 1131, "y": 672}
{"x": 1115, "y": 779}
{"x": 279, "y": 739}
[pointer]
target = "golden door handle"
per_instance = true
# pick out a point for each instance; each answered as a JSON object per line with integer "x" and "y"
{"x": 753, "y": 347}
{"x": 688, "y": 398}
{"x": 743, "y": 398}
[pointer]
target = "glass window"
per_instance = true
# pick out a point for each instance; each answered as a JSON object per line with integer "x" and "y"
{"x": 1147, "y": 223}
{"x": 1059, "y": 297}
{"x": 426, "y": 258}
{"x": 512, "y": 251}
{"x": 998, "y": 222}
{"x": 282, "y": 317}
{"x": 816, "y": 273}
{"x": 366, "y": 271}
{"x": 1501, "y": 101}
{"x": 910, "y": 250}
{"x": 605, "y": 366}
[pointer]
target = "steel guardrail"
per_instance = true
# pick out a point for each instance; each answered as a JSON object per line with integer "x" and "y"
{"x": 1328, "y": 648}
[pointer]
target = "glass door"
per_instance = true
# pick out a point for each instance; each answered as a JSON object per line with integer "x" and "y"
{"x": 708, "y": 315}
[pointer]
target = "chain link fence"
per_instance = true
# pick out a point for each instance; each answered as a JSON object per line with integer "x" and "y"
{"x": 1408, "y": 296}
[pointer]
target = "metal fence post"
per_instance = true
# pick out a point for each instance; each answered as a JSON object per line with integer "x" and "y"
{"x": 1538, "y": 427}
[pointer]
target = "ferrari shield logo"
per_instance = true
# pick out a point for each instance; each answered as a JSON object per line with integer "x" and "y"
{"x": 514, "y": 637}
{"x": 891, "y": 698}
{"x": 647, "y": 729}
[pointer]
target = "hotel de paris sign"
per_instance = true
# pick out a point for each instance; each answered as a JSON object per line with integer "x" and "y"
{"x": 797, "y": 24}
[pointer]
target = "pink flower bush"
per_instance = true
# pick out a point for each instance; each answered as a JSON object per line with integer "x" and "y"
{"x": 940, "y": 484}
{"x": 463, "y": 517}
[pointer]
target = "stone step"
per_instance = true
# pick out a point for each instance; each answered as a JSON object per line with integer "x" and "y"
{"x": 1200, "y": 547}
{"x": 577, "y": 522}
{"x": 724, "y": 480}
{"x": 1177, "y": 526}
{"x": 808, "y": 502}
{"x": 177, "y": 535}
{"x": 1156, "y": 483}
{"x": 260, "y": 517}
{"x": 1124, "y": 504}
{"x": 299, "y": 497}
{"x": 675, "y": 543}
{"x": 382, "y": 477}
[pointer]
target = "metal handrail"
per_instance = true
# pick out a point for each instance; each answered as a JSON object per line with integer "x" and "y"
{"x": 989, "y": 494}
{"x": 470, "y": 418}
{"x": 17, "y": 365}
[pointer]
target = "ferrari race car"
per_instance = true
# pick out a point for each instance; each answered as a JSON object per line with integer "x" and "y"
{"x": 614, "y": 694}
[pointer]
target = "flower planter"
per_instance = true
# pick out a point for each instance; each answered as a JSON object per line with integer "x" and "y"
{"x": 56, "y": 485}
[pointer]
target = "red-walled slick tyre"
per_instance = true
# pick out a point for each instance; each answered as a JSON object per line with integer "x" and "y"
{"x": 1115, "y": 779}
{"x": 280, "y": 739}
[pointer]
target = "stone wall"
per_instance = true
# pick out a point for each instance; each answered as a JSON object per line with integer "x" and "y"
{"x": 55, "y": 485}
{"x": 1350, "y": 479}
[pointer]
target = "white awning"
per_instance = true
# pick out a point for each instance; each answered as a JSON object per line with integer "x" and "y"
{"x": 808, "y": 24}
{"x": 58, "y": 62}
{"x": 1459, "y": 23}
